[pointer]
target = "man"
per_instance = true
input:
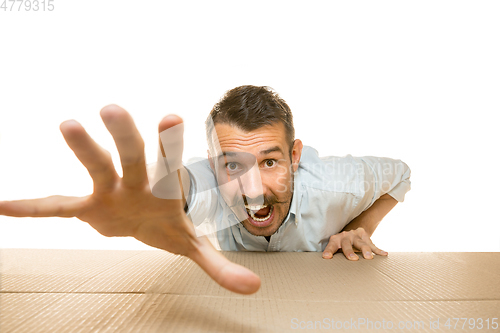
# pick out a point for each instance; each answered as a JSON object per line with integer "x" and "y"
{"x": 296, "y": 206}
{"x": 250, "y": 191}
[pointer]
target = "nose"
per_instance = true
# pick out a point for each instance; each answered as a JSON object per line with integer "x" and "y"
{"x": 251, "y": 186}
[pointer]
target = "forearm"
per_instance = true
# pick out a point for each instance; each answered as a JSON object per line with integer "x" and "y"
{"x": 370, "y": 218}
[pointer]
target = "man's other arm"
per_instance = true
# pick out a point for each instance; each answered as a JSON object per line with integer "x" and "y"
{"x": 370, "y": 218}
{"x": 385, "y": 182}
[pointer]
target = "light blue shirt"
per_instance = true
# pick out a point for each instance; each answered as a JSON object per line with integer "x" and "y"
{"x": 329, "y": 192}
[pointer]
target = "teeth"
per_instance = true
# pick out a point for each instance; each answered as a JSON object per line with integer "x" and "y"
{"x": 255, "y": 208}
{"x": 258, "y": 219}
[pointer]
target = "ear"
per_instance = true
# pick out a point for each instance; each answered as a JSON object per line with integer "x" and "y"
{"x": 296, "y": 154}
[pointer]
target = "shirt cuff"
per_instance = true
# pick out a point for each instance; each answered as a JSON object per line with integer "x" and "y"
{"x": 399, "y": 191}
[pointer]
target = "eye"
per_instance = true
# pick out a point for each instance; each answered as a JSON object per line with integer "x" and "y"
{"x": 270, "y": 163}
{"x": 231, "y": 166}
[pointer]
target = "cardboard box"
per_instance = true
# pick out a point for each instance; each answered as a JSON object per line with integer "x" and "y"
{"x": 155, "y": 291}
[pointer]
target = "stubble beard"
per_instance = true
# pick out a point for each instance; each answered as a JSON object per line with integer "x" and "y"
{"x": 289, "y": 203}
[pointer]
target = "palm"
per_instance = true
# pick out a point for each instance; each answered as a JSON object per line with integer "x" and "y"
{"x": 126, "y": 212}
{"x": 125, "y": 206}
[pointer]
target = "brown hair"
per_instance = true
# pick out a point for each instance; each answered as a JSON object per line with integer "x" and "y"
{"x": 251, "y": 107}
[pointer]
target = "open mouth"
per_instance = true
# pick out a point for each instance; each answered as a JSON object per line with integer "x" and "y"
{"x": 260, "y": 216}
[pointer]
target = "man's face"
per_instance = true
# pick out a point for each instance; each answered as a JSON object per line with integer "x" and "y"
{"x": 255, "y": 174}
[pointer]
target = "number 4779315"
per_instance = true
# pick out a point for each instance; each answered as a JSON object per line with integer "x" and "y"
{"x": 27, "y": 5}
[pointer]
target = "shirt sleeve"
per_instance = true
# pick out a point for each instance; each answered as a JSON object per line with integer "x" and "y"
{"x": 383, "y": 176}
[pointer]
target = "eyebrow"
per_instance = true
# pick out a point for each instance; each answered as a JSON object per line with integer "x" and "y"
{"x": 227, "y": 153}
{"x": 271, "y": 150}
{"x": 262, "y": 152}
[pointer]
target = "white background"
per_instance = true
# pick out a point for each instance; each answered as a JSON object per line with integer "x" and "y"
{"x": 417, "y": 81}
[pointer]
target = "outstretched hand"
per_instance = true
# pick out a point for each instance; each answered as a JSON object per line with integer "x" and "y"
{"x": 125, "y": 206}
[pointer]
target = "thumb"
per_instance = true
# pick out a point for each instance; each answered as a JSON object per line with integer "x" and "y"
{"x": 227, "y": 274}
